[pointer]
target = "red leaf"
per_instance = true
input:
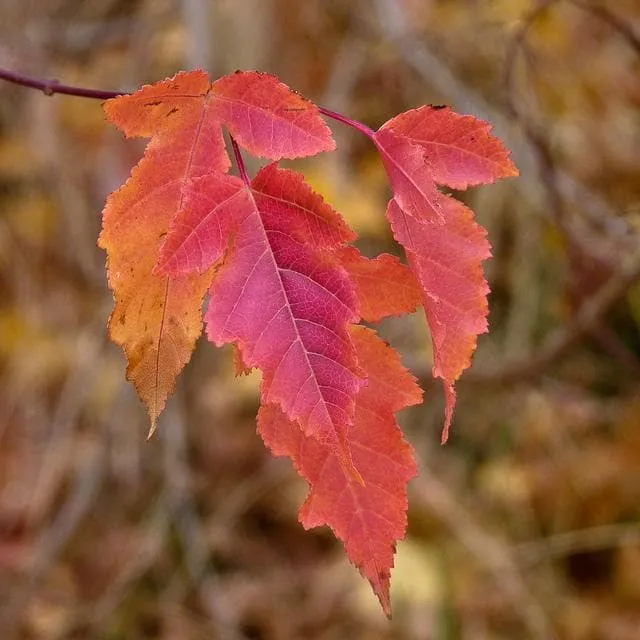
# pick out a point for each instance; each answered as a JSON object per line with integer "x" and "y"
{"x": 444, "y": 245}
{"x": 460, "y": 150}
{"x": 268, "y": 118}
{"x": 369, "y": 518}
{"x": 286, "y": 291}
{"x": 157, "y": 319}
{"x": 385, "y": 286}
{"x": 448, "y": 262}
{"x": 199, "y": 235}
{"x": 410, "y": 176}
{"x": 286, "y": 303}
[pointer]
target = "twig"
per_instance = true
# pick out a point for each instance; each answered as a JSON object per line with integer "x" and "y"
{"x": 51, "y": 87}
{"x": 565, "y": 337}
{"x": 564, "y": 544}
{"x": 487, "y": 549}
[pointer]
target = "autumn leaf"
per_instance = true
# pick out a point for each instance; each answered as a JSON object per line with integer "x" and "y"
{"x": 385, "y": 287}
{"x": 448, "y": 262}
{"x": 148, "y": 234}
{"x": 445, "y": 246}
{"x": 370, "y": 517}
{"x": 199, "y": 234}
{"x": 411, "y": 177}
{"x": 282, "y": 298}
{"x": 157, "y": 318}
{"x": 269, "y": 119}
{"x": 460, "y": 150}
{"x": 287, "y": 290}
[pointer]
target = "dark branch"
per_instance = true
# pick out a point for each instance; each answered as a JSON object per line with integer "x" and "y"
{"x": 51, "y": 87}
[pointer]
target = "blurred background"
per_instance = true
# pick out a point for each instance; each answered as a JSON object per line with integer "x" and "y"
{"x": 524, "y": 526}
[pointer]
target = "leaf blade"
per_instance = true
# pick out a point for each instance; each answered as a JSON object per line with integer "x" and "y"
{"x": 447, "y": 260}
{"x": 288, "y": 307}
{"x": 156, "y": 318}
{"x": 269, "y": 119}
{"x": 385, "y": 287}
{"x": 369, "y": 518}
{"x": 461, "y": 150}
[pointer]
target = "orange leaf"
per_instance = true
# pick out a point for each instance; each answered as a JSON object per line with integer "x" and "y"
{"x": 369, "y": 518}
{"x": 157, "y": 318}
{"x": 385, "y": 287}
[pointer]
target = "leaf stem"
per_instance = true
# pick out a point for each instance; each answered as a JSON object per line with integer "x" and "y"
{"x": 240, "y": 162}
{"x": 355, "y": 124}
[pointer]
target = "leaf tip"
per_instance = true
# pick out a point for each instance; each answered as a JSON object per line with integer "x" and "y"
{"x": 450, "y": 399}
{"x": 152, "y": 429}
{"x": 380, "y": 584}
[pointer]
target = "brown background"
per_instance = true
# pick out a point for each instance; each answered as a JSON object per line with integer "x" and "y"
{"x": 524, "y": 526}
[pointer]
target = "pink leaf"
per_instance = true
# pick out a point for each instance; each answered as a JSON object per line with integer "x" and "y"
{"x": 214, "y": 206}
{"x": 460, "y": 150}
{"x": 445, "y": 247}
{"x": 268, "y": 118}
{"x": 283, "y": 299}
{"x": 410, "y": 176}
{"x": 447, "y": 260}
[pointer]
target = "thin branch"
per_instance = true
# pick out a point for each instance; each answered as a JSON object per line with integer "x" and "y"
{"x": 51, "y": 87}
{"x": 565, "y": 337}
{"x": 563, "y": 544}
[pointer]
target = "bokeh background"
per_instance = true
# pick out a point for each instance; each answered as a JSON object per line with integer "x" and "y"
{"x": 524, "y": 526}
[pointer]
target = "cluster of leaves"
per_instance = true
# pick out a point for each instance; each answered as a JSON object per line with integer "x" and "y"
{"x": 288, "y": 289}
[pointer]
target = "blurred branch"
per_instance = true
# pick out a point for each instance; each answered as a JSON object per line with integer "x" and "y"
{"x": 564, "y": 544}
{"x": 538, "y": 138}
{"x": 566, "y": 336}
{"x": 179, "y": 496}
{"x": 489, "y": 550}
{"x": 612, "y": 19}
{"x": 51, "y": 87}
{"x": 197, "y": 21}
{"x": 394, "y": 24}
{"x": 54, "y": 538}
{"x": 147, "y": 552}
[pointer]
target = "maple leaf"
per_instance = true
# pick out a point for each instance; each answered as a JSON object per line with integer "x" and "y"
{"x": 156, "y": 318}
{"x": 384, "y": 286}
{"x": 269, "y": 119}
{"x": 460, "y": 150}
{"x": 371, "y": 517}
{"x": 283, "y": 299}
{"x": 445, "y": 246}
{"x": 285, "y": 289}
